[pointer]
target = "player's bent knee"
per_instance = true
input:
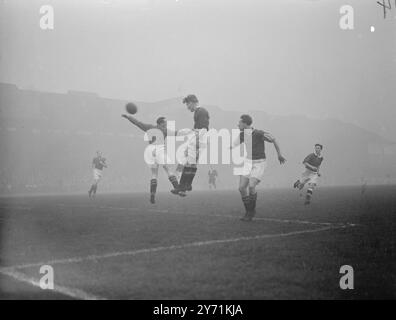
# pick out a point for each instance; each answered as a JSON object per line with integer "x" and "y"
{"x": 253, "y": 182}
{"x": 252, "y": 190}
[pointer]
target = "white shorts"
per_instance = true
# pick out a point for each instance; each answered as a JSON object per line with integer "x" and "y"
{"x": 310, "y": 177}
{"x": 254, "y": 168}
{"x": 97, "y": 174}
{"x": 196, "y": 143}
{"x": 156, "y": 155}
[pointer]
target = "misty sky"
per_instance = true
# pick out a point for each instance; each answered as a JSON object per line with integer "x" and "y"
{"x": 281, "y": 56}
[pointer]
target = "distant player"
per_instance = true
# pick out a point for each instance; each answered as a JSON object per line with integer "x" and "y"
{"x": 195, "y": 143}
{"x": 255, "y": 162}
{"x": 98, "y": 163}
{"x": 311, "y": 174}
{"x": 157, "y": 153}
{"x": 212, "y": 175}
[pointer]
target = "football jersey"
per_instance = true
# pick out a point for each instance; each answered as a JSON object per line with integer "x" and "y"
{"x": 212, "y": 174}
{"x": 256, "y": 150}
{"x": 201, "y": 118}
{"x": 313, "y": 160}
{"x": 161, "y": 139}
{"x": 98, "y": 163}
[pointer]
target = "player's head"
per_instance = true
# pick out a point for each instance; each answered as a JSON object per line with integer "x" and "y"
{"x": 98, "y": 153}
{"x": 161, "y": 122}
{"x": 318, "y": 148}
{"x": 245, "y": 122}
{"x": 191, "y": 101}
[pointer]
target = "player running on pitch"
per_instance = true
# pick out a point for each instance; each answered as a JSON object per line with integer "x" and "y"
{"x": 255, "y": 162}
{"x": 311, "y": 174}
{"x": 212, "y": 175}
{"x": 195, "y": 143}
{"x": 156, "y": 153}
{"x": 98, "y": 163}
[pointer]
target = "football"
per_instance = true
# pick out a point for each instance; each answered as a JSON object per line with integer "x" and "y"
{"x": 131, "y": 108}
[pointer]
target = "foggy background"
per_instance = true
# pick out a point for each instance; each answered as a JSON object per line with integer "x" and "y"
{"x": 285, "y": 62}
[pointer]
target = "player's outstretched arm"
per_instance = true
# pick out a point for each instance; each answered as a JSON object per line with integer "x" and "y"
{"x": 271, "y": 139}
{"x": 143, "y": 126}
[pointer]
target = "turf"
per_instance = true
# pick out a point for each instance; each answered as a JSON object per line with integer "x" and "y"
{"x": 285, "y": 260}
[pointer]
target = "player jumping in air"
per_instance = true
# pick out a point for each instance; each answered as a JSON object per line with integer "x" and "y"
{"x": 255, "y": 162}
{"x": 212, "y": 175}
{"x": 98, "y": 163}
{"x": 311, "y": 174}
{"x": 157, "y": 153}
{"x": 196, "y": 141}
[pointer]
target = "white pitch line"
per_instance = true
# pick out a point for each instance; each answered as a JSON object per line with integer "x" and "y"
{"x": 205, "y": 215}
{"x": 162, "y": 248}
{"x": 70, "y": 292}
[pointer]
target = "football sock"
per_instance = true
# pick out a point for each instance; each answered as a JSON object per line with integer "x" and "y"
{"x": 173, "y": 181}
{"x": 182, "y": 182}
{"x": 253, "y": 199}
{"x": 179, "y": 169}
{"x": 153, "y": 186}
{"x": 246, "y": 202}
{"x": 95, "y": 187}
{"x": 190, "y": 177}
{"x": 185, "y": 177}
{"x": 309, "y": 194}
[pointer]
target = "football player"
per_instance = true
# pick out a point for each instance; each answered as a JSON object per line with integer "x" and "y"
{"x": 196, "y": 141}
{"x": 98, "y": 163}
{"x": 156, "y": 153}
{"x": 255, "y": 162}
{"x": 311, "y": 174}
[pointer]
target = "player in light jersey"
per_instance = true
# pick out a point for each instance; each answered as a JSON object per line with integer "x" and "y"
{"x": 255, "y": 162}
{"x": 98, "y": 163}
{"x": 156, "y": 153}
{"x": 310, "y": 176}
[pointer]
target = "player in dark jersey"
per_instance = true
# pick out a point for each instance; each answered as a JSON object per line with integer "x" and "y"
{"x": 197, "y": 141}
{"x": 98, "y": 163}
{"x": 212, "y": 175}
{"x": 255, "y": 162}
{"x": 311, "y": 174}
{"x": 156, "y": 153}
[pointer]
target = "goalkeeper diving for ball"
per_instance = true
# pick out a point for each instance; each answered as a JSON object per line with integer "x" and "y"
{"x": 311, "y": 174}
